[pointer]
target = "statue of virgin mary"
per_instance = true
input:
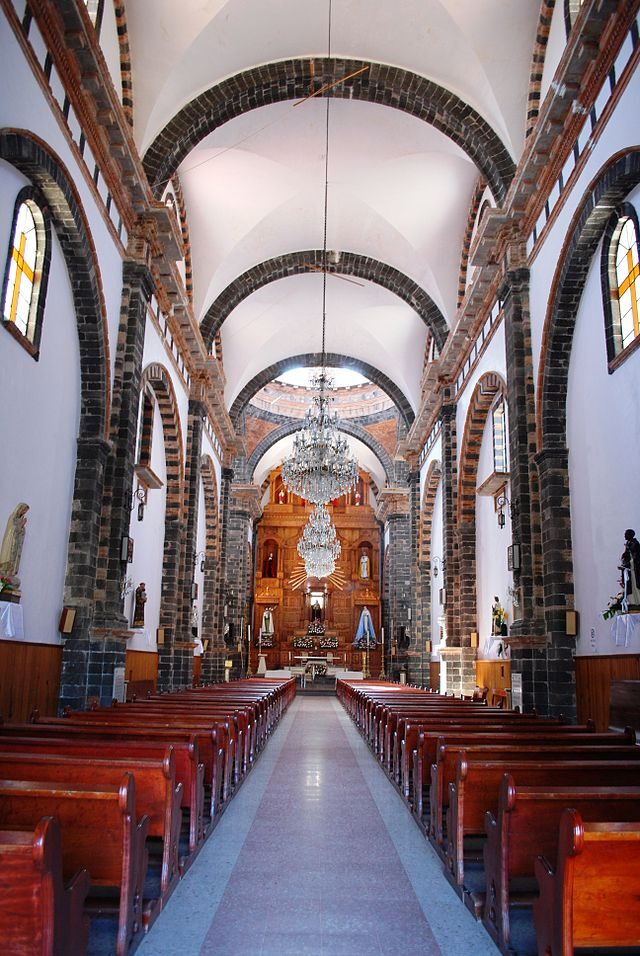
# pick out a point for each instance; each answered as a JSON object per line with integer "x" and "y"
{"x": 365, "y": 636}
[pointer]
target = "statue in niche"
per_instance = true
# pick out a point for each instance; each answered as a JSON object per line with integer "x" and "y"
{"x": 281, "y": 496}
{"x": 365, "y": 566}
{"x": 267, "y": 621}
{"x": 138, "y": 606}
{"x": 365, "y": 635}
{"x": 316, "y": 611}
{"x": 12, "y": 542}
{"x": 630, "y": 567}
{"x": 270, "y": 566}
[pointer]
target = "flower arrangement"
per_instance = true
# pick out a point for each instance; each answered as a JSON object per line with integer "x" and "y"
{"x": 614, "y": 607}
{"x": 265, "y": 641}
{"x": 329, "y": 643}
{"x": 316, "y": 627}
{"x": 5, "y": 583}
{"x": 498, "y": 619}
{"x": 303, "y": 643}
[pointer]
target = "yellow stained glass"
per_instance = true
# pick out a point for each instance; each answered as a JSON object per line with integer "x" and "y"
{"x": 22, "y": 268}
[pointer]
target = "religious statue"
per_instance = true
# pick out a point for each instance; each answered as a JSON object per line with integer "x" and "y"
{"x": 365, "y": 636}
{"x": 316, "y": 611}
{"x": 281, "y": 496}
{"x": 270, "y": 566}
{"x": 198, "y": 650}
{"x": 630, "y": 567}
{"x": 365, "y": 565}
{"x": 11, "y": 550}
{"x": 498, "y": 619}
{"x": 138, "y": 607}
{"x": 267, "y": 621}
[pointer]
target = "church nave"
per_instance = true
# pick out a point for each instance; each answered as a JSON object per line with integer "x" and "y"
{"x": 316, "y": 855}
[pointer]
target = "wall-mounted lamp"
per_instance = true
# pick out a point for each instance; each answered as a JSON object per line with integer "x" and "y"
{"x": 200, "y": 556}
{"x": 437, "y": 565}
{"x": 501, "y": 502}
{"x": 139, "y": 495}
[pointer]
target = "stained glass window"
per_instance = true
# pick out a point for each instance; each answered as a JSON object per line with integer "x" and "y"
{"x": 628, "y": 284}
{"x": 20, "y": 290}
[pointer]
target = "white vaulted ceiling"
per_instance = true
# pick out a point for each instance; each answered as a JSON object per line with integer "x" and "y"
{"x": 399, "y": 189}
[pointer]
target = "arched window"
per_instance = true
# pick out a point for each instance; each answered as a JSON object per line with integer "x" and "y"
{"x": 499, "y": 421}
{"x": 622, "y": 281}
{"x": 26, "y": 272}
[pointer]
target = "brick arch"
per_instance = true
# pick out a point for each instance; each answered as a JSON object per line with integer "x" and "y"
{"x": 292, "y": 79}
{"x": 487, "y": 389}
{"x": 126, "y": 76}
{"x": 310, "y": 360}
{"x": 292, "y": 425}
{"x": 609, "y": 188}
{"x": 158, "y": 378}
{"x": 537, "y": 63}
{"x": 38, "y": 163}
{"x": 348, "y": 264}
{"x": 423, "y": 595}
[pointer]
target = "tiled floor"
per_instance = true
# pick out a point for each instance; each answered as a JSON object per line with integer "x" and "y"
{"x": 316, "y": 855}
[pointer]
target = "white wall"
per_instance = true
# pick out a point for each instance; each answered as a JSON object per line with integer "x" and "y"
{"x": 148, "y": 536}
{"x": 556, "y": 44}
{"x": 493, "y": 360}
{"x": 156, "y": 351}
{"x": 40, "y": 404}
{"x": 603, "y": 424}
{"x": 492, "y": 577}
{"x": 110, "y": 46}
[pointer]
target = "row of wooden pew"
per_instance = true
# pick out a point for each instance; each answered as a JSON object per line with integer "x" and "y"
{"x": 103, "y": 811}
{"x": 536, "y": 821}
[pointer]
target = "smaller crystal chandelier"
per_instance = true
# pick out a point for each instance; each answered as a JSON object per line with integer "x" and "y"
{"x": 319, "y": 546}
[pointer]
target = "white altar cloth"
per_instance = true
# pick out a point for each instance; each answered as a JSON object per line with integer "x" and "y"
{"x": 11, "y": 621}
{"x": 624, "y": 627}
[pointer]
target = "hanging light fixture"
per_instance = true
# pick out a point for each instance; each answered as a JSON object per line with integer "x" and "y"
{"x": 320, "y": 467}
{"x": 319, "y": 547}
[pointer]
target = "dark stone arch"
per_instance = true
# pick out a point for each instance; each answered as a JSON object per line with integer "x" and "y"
{"x": 348, "y": 264}
{"x": 292, "y": 79}
{"x": 607, "y": 191}
{"x": 347, "y": 426}
{"x": 487, "y": 389}
{"x": 309, "y": 360}
{"x": 425, "y": 550}
{"x": 32, "y": 157}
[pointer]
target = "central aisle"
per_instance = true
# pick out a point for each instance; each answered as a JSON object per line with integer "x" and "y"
{"x": 316, "y": 855}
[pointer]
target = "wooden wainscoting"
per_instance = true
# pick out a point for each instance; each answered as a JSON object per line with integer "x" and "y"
{"x": 434, "y": 675}
{"x": 141, "y": 665}
{"x": 593, "y": 682}
{"x": 496, "y": 675}
{"x": 29, "y": 679}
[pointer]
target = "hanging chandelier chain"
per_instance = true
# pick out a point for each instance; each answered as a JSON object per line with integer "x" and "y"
{"x": 326, "y": 207}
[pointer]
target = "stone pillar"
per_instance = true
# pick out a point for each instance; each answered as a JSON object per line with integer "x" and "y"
{"x": 80, "y": 582}
{"x": 450, "y": 572}
{"x": 175, "y": 661}
{"x": 244, "y": 510}
{"x": 394, "y": 513}
{"x": 98, "y": 644}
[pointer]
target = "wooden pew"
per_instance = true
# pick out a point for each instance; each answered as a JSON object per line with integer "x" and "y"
{"x": 100, "y": 833}
{"x": 443, "y": 772}
{"x": 157, "y": 796}
{"x": 127, "y": 745}
{"x": 475, "y": 792}
{"x": 527, "y": 825}
{"x": 426, "y": 753}
{"x": 591, "y": 899}
{"x": 38, "y": 914}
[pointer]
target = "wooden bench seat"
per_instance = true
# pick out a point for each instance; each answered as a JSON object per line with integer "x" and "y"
{"x": 100, "y": 833}
{"x": 38, "y": 914}
{"x": 527, "y": 825}
{"x": 130, "y": 745}
{"x": 157, "y": 796}
{"x": 476, "y": 790}
{"x": 591, "y": 898}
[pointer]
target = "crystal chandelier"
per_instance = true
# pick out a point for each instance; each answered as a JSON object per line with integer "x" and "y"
{"x": 319, "y": 546}
{"x": 319, "y": 467}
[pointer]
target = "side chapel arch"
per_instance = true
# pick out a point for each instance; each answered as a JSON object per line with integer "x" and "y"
{"x": 489, "y": 386}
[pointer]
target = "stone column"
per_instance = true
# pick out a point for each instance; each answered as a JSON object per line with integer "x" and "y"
{"x": 214, "y": 618}
{"x": 89, "y": 661}
{"x": 244, "y": 510}
{"x": 457, "y": 657}
{"x": 394, "y": 514}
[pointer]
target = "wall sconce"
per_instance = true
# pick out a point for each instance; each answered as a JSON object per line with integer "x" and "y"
{"x": 200, "y": 556}
{"x": 139, "y": 495}
{"x": 501, "y": 502}
{"x": 437, "y": 565}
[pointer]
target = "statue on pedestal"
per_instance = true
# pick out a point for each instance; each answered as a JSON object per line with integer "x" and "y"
{"x": 365, "y": 565}
{"x": 630, "y": 567}
{"x": 12, "y": 542}
{"x": 365, "y": 636}
{"x": 138, "y": 607}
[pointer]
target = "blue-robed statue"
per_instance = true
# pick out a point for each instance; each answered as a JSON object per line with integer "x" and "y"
{"x": 365, "y": 636}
